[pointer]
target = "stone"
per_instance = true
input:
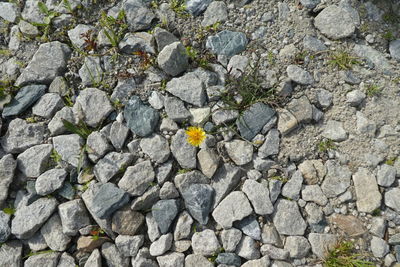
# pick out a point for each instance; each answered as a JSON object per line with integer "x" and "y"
{"x": 349, "y": 224}
{"x": 264, "y": 261}
{"x": 176, "y": 110}
{"x": 394, "y": 49}
{"x": 386, "y": 175}
{"x": 140, "y": 41}
{"x": 127, "y": 222}
{"x": 109, "y": 166}
{"x": 164, "y": 213}
{"x": 216, "y": 12}
{"x": 75, "y": 35}
{"x": 152, "y": 228}
{"x": 194, "y": 260}
{"x": 230, "y": 238}
{"x": 270, "y": 235}
{"x": 301, "y": 109}
{"x": 270, "y": 145}
{"x": 94, "y": 106}
{"x": 298, "y": 75}
{"x": 74, "y": 216}
{"x": 248, "y": 249}
{"x": 9, "y": 11}
{"x": 98, "y": 145}
{"x": 46, "y": 259}
{"x": 50, "y": 181}
{"x": 324, "y": 98}
{"x": 137, "y": 178}
{"x": 250, "y": 227}
{"x": 313, "y": 171}
{"x": 28, "y": 219}
{"x": 163, "y": 38}
{"x": 145, "y": 201}
{"x": 222, "y": 116}
{"x": 287, "y": 122}
{"x": 297, "y": 246}
{"x": 232, "y": 208}
{"x": 253, "y": 120}
{"x": 274, "y": 252}
{"x": 49, "y": 61}
{"x": 275, "y": 189}
{"x": 365, "y": 126}
{"x": 48, "y": 105}
{"x": 184, "y": 152}
{"x": 199, "y": 201}
{"x": 183, "y": 181}
{"x": 113, "y": 256}
{"x": 367, "y": 191}
{"x": 94, "y": 259}
{"x": 292, "y": 188}
{"x": 196, "y": 7}
{"x": 241, "y": 152}
{"x": 355, "y": 97}
{"x": 129, "y": 245}
{"x": 374, "y": 58}
{"x": 25, "y": 98}
{"x": 173, "y": 259}
{"x": 5, "y": 229}
{"x": 335, "y": 22}
{"x": 69, "y": 148}
{"x": 379, "y": 247}
{"x": 183, "y": 226}
{"x": 173, "y": 59}
{"x": 108, "y": 199}
{"x": 226, "y": 178}
{"x": 208, "y": 161}
{"x": 258, "y": 194}
{"x": 7, "y": 170}
{"x": 205, "y": 243}
{"x": 230, "y": 259}
{"x": 138, "y": 16}
{"x": 53, "y": 234}
{"x": 56, "y": 125}
{"x": 66, "y": 260}
{"x": 36, "y": 242}
{"x": 156, "y": 100}
{"x": 227, "y": 43}
{"x": 140, "y": 118}
{"x": 378, "y": 227}
{"x": 11, "y": 253}
{"x": 162, "y": 245}
{"x": 313, "y": 44}
{"x": 189, "y": 88}
{"x": 59, "y": 86}
{"x": 392, "y": 199}
{"x": 337, "y": 179}
{"x": 320, "y": 243}
{"x": 156, "y": 147}
{"x": 287, "y": 218}
{"x": 314, "y": 194}
{"x": 118, "y": 134}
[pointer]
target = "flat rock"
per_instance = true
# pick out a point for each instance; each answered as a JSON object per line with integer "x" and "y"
{"x": 287, "y": 122}
{"x": 249, "y": 226}
{"x": 74, "y": 216}
{"x": 335, "y": 22}
{"x": 194, "y": 260}
{"x": 386, "y": 175}
{"x": 226, "y": 178}
{"x": 137, "y": 14}
{"x": 5, "y": 229}
{"x": 164, "y": 213}
{"x": 322, "y": 242}
{"x": 302, "y": 109}
{"x": 253, "y": 120}
{"x": 227, "y": 43}
{"x": 216, "y": 12}
{"x": 109, "y": 166}
{"x": 241, "y": 152}
{"x": 298, "y": 75}
{"x": 137, "y": 178}
{"x": 287, "y": 218}
{"x": 52, "y": 232}
{"x": 127, "y": 222}
{"x": 176, "y": 110}
{"x": 271, "y": 144}
{"x": 156, "y": 147}
{"x": 374, "y": 58}
{"x": 184, "y": 152}
{"x": 205, "y": 243}
{"x": 11, "y": 253}
{"x": 392, "y": 199}
{"x": 173, "y": 59}
{"x": 56, "y": 125}
{"x": 98, "y": 145}
{"x": 199, "y": 199}
{"x": 337, "y": 179}
{"x": 334, "y": 130}
{"x": 75, "y": 35}
{"x": 108, "y": 199}
{"x": 349, "y": 224}
{"x": 7, "y": 170}
{"x": 298, "y": 246}
{"x": 314, "y": 194}
{"x": 313, "y": 44}
{"x": 248, "y": 249}
{"x": 129, "y": 245}
{"x": 379, "y": 247}
{"x": 50, "y": 181}
{"x": 292, "y": 188}
{"x": 69, "y": 148}
{"x": 147, "y": 200}
{"x": 91, "y": 72}
{"x": 46, "y": 259}
{"x": 208, "y": 162}
{"x": 189, "y": 88}
{"x": 368, "y": 196}
{"x": 258, "y": 195}
{"x": 183, "y": 226}
{"x": 140, "y": 118}
{"x": 49, "y": 61}
{"x": 163, "y": 38}
{"x": 175, "y": 259}
{"x": 9, "y": 11}
{"x": 140, "y": 41}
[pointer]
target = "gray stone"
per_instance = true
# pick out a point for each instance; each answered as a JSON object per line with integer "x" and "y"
{"x": 199, "y": 200}
{"x": 156, "y": 147}
{"x": 378, "y": 228}
{"x": 208, "y": 162}
{"x": 97, "y": 146}
{"x": 183, "y": 181}
{"x": 298, "y": 246}
{"x": 189, "y": 88}
{"x": 394, "y": 49}
{"x": 145, "y": 201}
{"x": 140, "y": 118}
{"x": 7, "y": 170}
{"x": 50, "y": 181}
{"x": 5, "y": 229}
{"x": 152, "y": 228}
{"x": 173, "y": 59}
{"x": 324, "y": 98}
{"x": 196, "y": 7}
{"x": 129, "y": 245}
{"x": 230, "y": 259}
{"x": 205, "y": 243}
{"x": 93, "y": 105}
{"x": 94, "y": 259}
{"x": 250, "y": 227}
{"x": 392, "y": 199}
{"x": 36, "y": 242}
{"x": 379, "y": 247}
{"x": 310, "y": 4}
{"x": 138, "y": 16}
{"x": 173, "y": 259}
{"x": 48, "y": 105}
{"x": 286, "y": 122}
{"x": 168, "y": 191}
{"x": 137, "y": 178}
{"x": 241, "y": 152}
{"x": 367, "y": 191}
{"x": 227, "y": 43}
{"x": 183, "y": 226}
{"x": 183, "y": 152}
{"x": 164, "y": 213}
{"x": 162, "y": 245}
{"x": 9, "y": 11}
{"x": 225, "y": 180}
{"x": 275, "y": 188}
{"x": 118, "y": 134}
{"x": 216, "y": 12}
{"x": 123, "y": 90}
{"x": 49, "y": 61}
{"x": 127, "y": 222}
{"x": 314, "y": 194}
{"x": 75, "y": 35}
{"x": 175, "y": 109}
{"x": 334, "y": 131}
{"x": 248, "y": 249}
{"x": 156, "y": 100}
{"x": 108, "y": 199}
{"x": 234, "y": 207}
{"x": 274, "y": 253}
{"x": 112, "y": 164}
{"x": 194, "y": 260}
{"x": 292, "y": 188}
{"x": 59, "y": 86}
{"x": 47, "y": 259}
{"x": 386, "y": 175}
{"x": 66, "y": 260}
{"x": 253, "y": 120}
{"x": 355, "y": 97}
{"x": 374, "y": 58}
{"x": 320, "y": 243}
{"x": 28, "y": 219}
{"x": 365, "y": 126}
{"x": 313, "y": 44}
{"x": 270, "y": 145}
{"x": 113, "y": 256}
{"x": 11, "y": 254}
{"x": 287, "y": 218}
{"x": 25, "y": 98}
{"x": 56, "y": 125}
{"x": 74, "y": 216}
{"x": 134, "y": 42}
{"x": 258, "y": 194}
{"x": 163, "y": 38}
{"x": 270, "y": 235}
{"x": 69, "y": 148}
{"x": 298, "y": 75}
{"x": 223, "y": 116}
{"x": 302, "y": 109}
{"x": 52, "y": 232}
{"x": 335, "y": 22}
{"x": 264, "y": 261}
{"x": 230, "y": 239}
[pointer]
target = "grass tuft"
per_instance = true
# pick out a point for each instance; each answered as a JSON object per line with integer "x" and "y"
{"x": 326, "y": 145}
{"x": 342, "y": 60}
{"x": 373, "y": 90}
{"x": 343, "y": 255}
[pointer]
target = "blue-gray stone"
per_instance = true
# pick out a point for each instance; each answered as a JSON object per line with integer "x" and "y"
{"x": 164, "y": 213}
{"x": 196, "y": 7}
{"x": 108, "y": 199}
{"x": 227, "y": 43}
{"x": 250, "y": 227}
{"x": 230, "y": 259}
{"x": 25, "y": 98}
{"x": 253, "y": 120}
{"x": 141, "y": 119}
{"x": 67, "y": 191}
{"x": 310, "y": 4}
{"x": 199, "y": 199}
{"x": 397, "y": 252}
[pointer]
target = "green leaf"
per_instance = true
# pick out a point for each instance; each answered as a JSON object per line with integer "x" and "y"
{"x": 9, "y": 211}
{"x": 47, "y": 20}
{"x": 43, "y": 8}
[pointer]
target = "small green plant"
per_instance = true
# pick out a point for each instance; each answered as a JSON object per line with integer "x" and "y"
{"x": 279, "y": 178}
{"x": 32, "y": 119}
{"x": 214, "y": 256}
{"x": 47, "y": 20}
{"x": 80, "y": 129}
{"x": 391, "y": 17}
{"x": 376, "y": 212}
{"x": 6, "y": 88}
{"x": 5, "y": 52}
{"x": 326, "y": 145}
{"x": 271, "y": 58}
{"x": 343, "y": 255}
{"x": 9, "y": 210}
{"x": 373, "y": 90}
{"x": 33, "y": 253}
{"x": 182, "y": 171}
{"x": 178, "y": 6}
{"x": 342, "y": 60}
{"x": 96, "y": 233}
{"x": 114, "y": 28}
{"x": 55, "y": 157}
{"x": 300, "y": 57}
{"x": 388, "y": 36}
{"x": 390, "y": 161}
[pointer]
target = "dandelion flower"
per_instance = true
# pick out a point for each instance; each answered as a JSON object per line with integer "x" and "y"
{"x": 196, "y": 135}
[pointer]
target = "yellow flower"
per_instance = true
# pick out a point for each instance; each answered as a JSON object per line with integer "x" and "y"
{"x": 196, "y": 135}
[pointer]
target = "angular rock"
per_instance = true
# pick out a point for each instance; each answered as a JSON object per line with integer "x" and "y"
{"x": 56, "y": 125}
{"x": 271, "y": 236}
{"x": 349, "y": 224}
{"x": 241, "y": 152}
{"x": 298, "y": 75}
{"x": 162, "y": 245}
{"x": 225, "y": 180}
{"x": 183, "y": 226}
{"x": 392, "y": 199}
{"x": 301, "y": 109}
{"x": 248, "y": 249}
{"x": 97, "y": 146}
{"x": 118, "y": 134}
{"x": 374, "y": 58}
{"x": 109, "y": 166}
{"x": 394, "y": 49}
{"x": 74, "y": 216}
{"x": 145, "y": 201}
{"x": 141, "y": 41}
{"x": 75, "y": 35}
{"x": 164, "y": 213}
{"x": 292, "y": 188}
{"x": 227, "y": 43}
{"x": 156, "y": 147}
{"x": 11, "y": 253}
{"x": 69, "y": 148}
{"x": 199, "y": 199}
{"x": 274, "y": 252}
{"x": 173, "y": 59}
{"x": 196, "y": 7}
{"x": 183, "y": 181}
{"x": 46, "y": 259}
{"x": 184, "y": 152}
{"x": 66, "y": 260}
{"x": 320, "y": 243}
{"x": 216, "y": 12}
{"x": 137, "y": 178}
{"x": 175, "y": 109}
{"x": 337, "y": 179}
{"x": 50, "y": 181}
{"x": 314, "y": 194}
{"x": 205, "y": 243}
{"x": 9, "y": 11}
{"x": 108, "y": 199}
{"x": 298, "y": 246}
{"x": 5, "y": 229}
{"x": 48, "y": 105}
{"x": 138, "y": 16}
{"x": 175, "y": 259}
{"x": 113, "y": 256}
{"x": 129, "y": 245}
{"x": 335, "y": 22}
{"x": 386, "y": 175}
{"x": 264, "y": 261}
{"x": 230, "y": 239}
{"x": 313, "y": 171}
{"x": 163, "y": 38}
{"x": 287, "y": 218}
{"x": 208, "y": 162}
{"x": 313, "y": 44}
{"x": 379, "y": 247}
{"x": 250, "y": 227}
{"x": 270, "y": 145}
{"x": 189, "y": 88}
{"x": 53, "y": 234}
{"x": 127, "y": 222}
{"x": 7, "y": 170}
{"x": 258, "y": 195}
{"x": 368, "y": 195}
{"x": 194, "y": 260}
{"x": 140, "y": 118}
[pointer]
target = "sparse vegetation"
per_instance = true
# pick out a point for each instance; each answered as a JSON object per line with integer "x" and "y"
{"x": 45, "y": 27}
{"x": 342, "y": 60}
{"x": 214, "y": 256}
{"x": 9, "y": 210}
{"x": 279, "y": 178}
{"x": 55, "y": 157}
{"x": 178, "y": 6}
{"x": 114, "y": 28}
{"x": 388, "y": 35}
{"x": 326, "y": 145}
{"x": 373, "y": 90}
{"x": 390, "y": 161}
{"x": 33, "y": 253}
{"x": 344, "y": 255}
{"x": 80, "y": 129}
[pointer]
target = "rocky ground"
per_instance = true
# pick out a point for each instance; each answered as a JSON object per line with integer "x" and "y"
{"x": 299, "y": 100}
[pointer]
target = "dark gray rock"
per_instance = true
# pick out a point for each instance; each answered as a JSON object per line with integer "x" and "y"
{"x": 48, "y": 105}
{"x": 250, "y": 227}
{"x": 98, "y": 145}
{"x": 113, "y": 256}
{"x": 164, "y": 213}
{"x": 147, "y": 200}
{"x": 253, "y": 120}
{"x": 137, "y": 178}
{"x": 91, "y": 72}
{"x": 108, "y": 199}
{"x": 163, "y": 38}
{"x": 52, "y": 232}
{"x": 118, "y": 134}
{"x": 270, "y": 145}
{"x": 123, "y": 90}
{"x": 175, "y": 109}
{"x": 25, "y": 98}
{"x": 7, "y": 170}
{"x": 394, "y": 49}
{"x": 138, "y": 15}
{"x": 199, "y": 200}
{"x": 374, "y": 58}
{"x": 140, "y": 118}
{"x": 227, "y": 43}
{"x": 49, "y": 61}
{"x": 112, "y": 164}
{"x": 189, "y": 88}
{"x": 196, "y": 7}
